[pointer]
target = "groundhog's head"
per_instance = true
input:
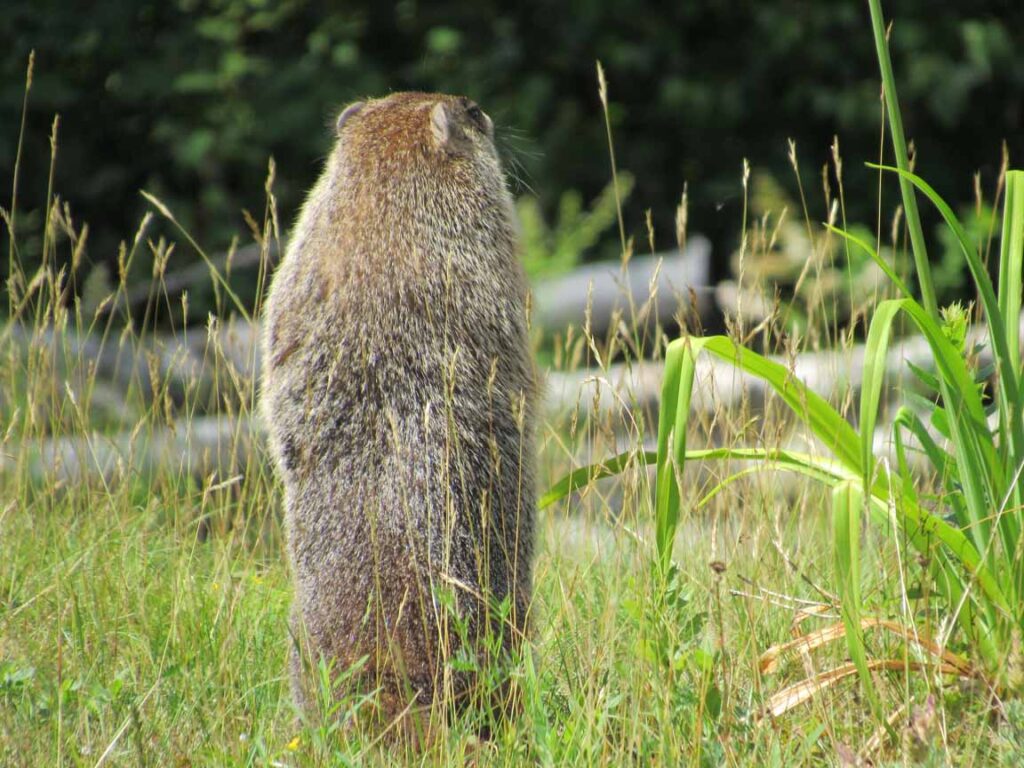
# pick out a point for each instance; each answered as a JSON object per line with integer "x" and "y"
{"x": 408, "y": 128}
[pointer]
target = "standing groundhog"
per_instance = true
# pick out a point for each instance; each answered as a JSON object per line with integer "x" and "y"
{"x": 399, "y": 391}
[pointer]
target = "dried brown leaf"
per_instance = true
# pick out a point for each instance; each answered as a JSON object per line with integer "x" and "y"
{"x": 797, "y": 694}
{"x": 770, "y": 659}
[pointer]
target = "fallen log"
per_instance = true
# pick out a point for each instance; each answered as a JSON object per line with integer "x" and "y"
{"x": 204, "y": 447}
{"x": 659, "y": 285}
{"x": 832, "y": 374}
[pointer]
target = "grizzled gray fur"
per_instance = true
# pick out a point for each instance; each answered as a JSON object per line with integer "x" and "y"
{"x": 399, "y": 393}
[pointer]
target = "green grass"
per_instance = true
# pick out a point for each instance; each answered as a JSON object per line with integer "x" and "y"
{"x": 134, "y": 637}
{"x": 124, "y": 636}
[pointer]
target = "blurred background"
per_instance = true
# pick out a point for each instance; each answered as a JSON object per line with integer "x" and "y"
{"x": 189, "y": 100}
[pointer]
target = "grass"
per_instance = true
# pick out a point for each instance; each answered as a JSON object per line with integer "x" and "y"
{"x": 717, "y": 620}
{"x": 126, "y": 640}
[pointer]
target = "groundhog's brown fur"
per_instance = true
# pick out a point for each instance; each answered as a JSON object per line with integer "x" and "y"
{"x": 399, "y": 392}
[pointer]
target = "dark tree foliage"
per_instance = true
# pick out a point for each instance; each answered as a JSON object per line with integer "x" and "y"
{"x": 188, "y": 99}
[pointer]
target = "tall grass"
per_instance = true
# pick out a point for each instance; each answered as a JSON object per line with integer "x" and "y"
{"x": 972, "y": 539}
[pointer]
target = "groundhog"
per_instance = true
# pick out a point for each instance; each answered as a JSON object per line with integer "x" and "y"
{"x": 399, "y": 392}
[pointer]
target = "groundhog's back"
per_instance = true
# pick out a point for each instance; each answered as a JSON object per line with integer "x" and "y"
{"x": 398, "y": 386}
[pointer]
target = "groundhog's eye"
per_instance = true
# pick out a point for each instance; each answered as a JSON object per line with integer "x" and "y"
{"x": 482, "y": 121}
{"x": 475, "y": 114}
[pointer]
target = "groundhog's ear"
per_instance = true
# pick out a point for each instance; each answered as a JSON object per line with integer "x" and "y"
{"x": 441, "y": 127}
{"x": 348, "y": 112}
{"x": 448, "y": 135}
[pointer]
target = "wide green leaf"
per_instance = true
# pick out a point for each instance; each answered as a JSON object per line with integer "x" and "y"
{"x": 899, "y": 146}
{"x": 875, "y": 257}
{"x": 582, "y": 477}
{"x": 998, "y": 326}
{"x": 847, "y": 504}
